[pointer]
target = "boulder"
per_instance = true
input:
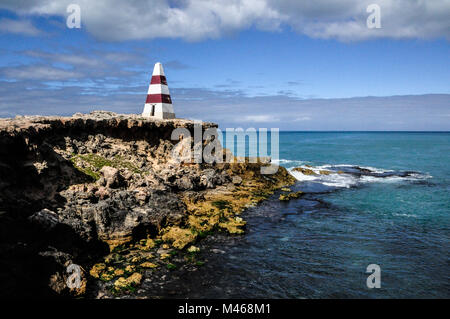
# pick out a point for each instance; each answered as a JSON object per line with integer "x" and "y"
{"x": 45, "y": 219}
{"x": 304, "y": 171}
{"x": 236, "y": 180}
{"x": 112, "y": 176}
{"x": 184, "y": 183}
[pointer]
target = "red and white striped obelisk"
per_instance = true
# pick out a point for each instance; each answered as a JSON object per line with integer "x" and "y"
{"x": 158, "y": 103}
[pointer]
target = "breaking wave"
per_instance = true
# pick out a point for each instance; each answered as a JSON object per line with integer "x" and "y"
{"x": 346, "y": 175}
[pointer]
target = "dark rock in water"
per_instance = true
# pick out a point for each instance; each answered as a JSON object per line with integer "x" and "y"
{"x": 304, "y": 171}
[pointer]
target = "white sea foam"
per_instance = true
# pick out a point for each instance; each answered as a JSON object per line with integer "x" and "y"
{"x": 333, "y": 180}
{"x": 287, "y": 162}
{"x": 372, "y": 169}
{"x": 347, "y": 180}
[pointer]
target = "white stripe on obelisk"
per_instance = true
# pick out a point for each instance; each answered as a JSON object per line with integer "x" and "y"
{"x": 158, "y": 89}
{"x": 158, "y": 69}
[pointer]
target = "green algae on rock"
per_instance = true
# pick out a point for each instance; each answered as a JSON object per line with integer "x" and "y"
{"x": 289, "y": 196}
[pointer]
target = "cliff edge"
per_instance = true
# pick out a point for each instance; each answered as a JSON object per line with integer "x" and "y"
{"x": 102, "y": 191}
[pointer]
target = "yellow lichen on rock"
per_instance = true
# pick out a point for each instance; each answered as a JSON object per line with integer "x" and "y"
{"x": 116, "y": 242}
{"x": 204, "y": 223}
{"x": 148, "y": 265}
{"x": 122, "y": 282}
{"x": 286, "y": 197}
{"x": 179, "y": 237}
{"x": 193, "y": 249}
{"x": 97, "y": 269}
{"x": 233, "y": 225}
{"x": 130, "y": 268}
{"x": 107, "y": 276}
{"x": 145, "y": 244}
{"x": 119, "y": 272}
{"x": 219, "y": 206}
{"x": 164, "y": 256}
{"x": 135, "y": 259}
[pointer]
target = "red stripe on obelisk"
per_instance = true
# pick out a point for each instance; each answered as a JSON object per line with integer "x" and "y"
{"x": 158, "y": 98}
{"x": 158, "y": 79}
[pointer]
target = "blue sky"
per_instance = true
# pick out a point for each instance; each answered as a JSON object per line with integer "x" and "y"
{"x": 290, "y": 64}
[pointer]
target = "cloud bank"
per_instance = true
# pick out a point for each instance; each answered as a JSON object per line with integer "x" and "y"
{"x": 235, "y": 109}
{"x": 194, "y": 20}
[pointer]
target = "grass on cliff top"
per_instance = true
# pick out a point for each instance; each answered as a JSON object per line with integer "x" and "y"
{"x": 96, "y": 162}
{"x": 87, "y": 171}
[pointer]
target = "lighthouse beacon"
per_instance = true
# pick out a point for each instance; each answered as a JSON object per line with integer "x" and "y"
{"x": 158, "y": 103}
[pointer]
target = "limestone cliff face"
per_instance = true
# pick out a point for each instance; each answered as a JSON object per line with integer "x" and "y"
{"x": 74, "y": 188}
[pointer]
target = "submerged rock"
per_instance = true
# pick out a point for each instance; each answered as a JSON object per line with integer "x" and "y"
{"x": 287, "y": 197}
{"x": 304, "y": 171}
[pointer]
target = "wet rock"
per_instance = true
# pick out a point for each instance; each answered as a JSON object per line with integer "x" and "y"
{"x": 304, "y": 171}
{"x": 287, "y": 197}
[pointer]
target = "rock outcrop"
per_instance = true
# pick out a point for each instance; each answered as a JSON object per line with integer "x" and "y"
{"x": 75, "y": 190}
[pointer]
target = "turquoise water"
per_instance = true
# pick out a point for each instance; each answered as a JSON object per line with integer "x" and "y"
{"x": 424, "y": 200}
{"x": 389, "y": 205}
{"x": 401, "y": 224}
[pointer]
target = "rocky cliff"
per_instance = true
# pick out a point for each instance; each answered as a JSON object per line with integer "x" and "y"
{"x": 103, "y": 191}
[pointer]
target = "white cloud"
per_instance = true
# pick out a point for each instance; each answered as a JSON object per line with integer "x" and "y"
{"x": 257, "y": 118}
{"x": 302, "y": 118}
{"x": 18, "y": 27}
{"x": 66, "y": 58}
{"x": 37, "y": 72}
{"x": 199, "y": 19}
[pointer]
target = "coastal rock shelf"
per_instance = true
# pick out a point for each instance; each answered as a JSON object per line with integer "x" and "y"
{"x": 102, "y": 191}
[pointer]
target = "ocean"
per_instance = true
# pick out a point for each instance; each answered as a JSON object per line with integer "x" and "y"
{"x": 386, "y": 202}
{"x": 392, "y": 209}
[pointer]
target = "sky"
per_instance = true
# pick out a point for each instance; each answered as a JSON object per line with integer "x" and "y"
{"x": 289, "y": 64}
